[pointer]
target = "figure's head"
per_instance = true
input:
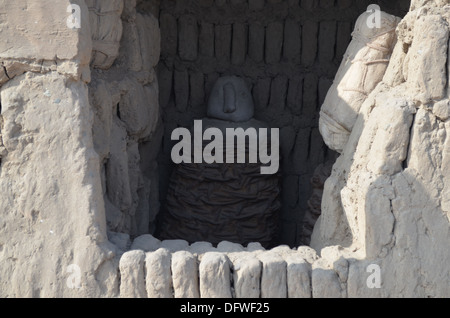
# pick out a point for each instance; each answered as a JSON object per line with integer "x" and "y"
{"x": 231, "y": 100}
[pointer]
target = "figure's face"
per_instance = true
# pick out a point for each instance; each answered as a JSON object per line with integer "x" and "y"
{"x": 231, "y": 100}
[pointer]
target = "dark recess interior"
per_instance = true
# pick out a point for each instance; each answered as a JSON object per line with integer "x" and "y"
{"x": 288, "y": 52}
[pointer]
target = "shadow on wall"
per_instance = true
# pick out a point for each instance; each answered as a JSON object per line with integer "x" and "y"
{"x": 287, "y": 51}
{"x": 278, "y": 55}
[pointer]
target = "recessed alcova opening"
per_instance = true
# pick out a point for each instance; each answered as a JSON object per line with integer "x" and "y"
{"x": 287, "y": 53}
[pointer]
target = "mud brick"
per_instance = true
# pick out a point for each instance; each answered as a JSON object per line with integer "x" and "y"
{"x": 301, "y": 150}
{"x": 343, "y": 38}
{"x": 278, "y": 92}
{"x": 210, "y": 79}
{"x": 255, "y": 5}
{"x": 206, "y": 39}
{"x": 309, "y": 42}
{"x": 344, "y": 4}
{"x": 181, "y": 89}
{"x": 223, "y": 42}
{"x": 165, "y": 80}
{"x": 261, "y": 92}
{"x": 310, "y": 106}
{"x": 324, "y": 86}
{"x": 274, "y": 42}
{"x": 292, "y": 41}
{"x": 327, "y": 41}
{"x": 317, "y": 147}
{"x": 168, "y": 26}
{"x": 221, "y": 3}
{"x": 188, "y": 38}
{"x": 239, "y": 44}
{"x": 197, "y": 90}
{"x": 326, "y": 4}
{"x": 237, "y": 3}
{"x": 256, "y": 42}
{"x": 295, "y": 95}
{"x": 309, "y": 4}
